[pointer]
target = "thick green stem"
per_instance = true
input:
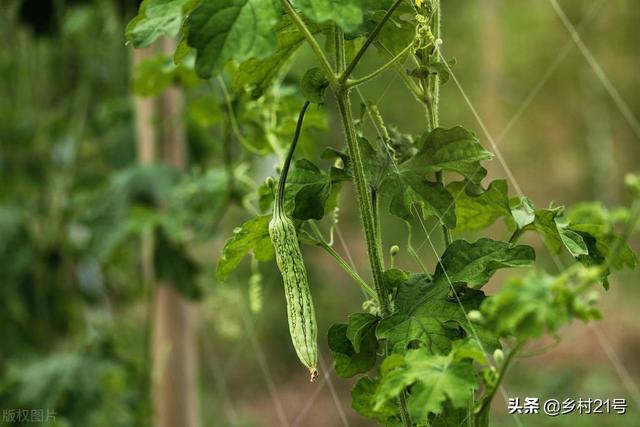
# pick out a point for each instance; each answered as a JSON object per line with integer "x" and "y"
{"x": 374, "y": 249}
{"x": 375, "y": 206}
{"x": 434, "y": 80}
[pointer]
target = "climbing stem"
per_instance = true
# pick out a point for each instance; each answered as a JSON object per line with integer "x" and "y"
{"x": 375, "y": 207}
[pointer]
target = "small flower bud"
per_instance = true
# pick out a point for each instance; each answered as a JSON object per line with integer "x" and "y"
{"x": 498, "y": 356}
{"x": 270, "y": 182}
{"x": 394, "y": 250}
{"x": 475, "y": 316}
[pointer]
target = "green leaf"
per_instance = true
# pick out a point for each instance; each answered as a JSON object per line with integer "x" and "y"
{"x": 545, "y": 224}
{"x": 601, "y": 241}
{"x": 360, "y": 325}
{"x": 313, "y": 85}
{"x": 362, "y": 401}
{"x": 428, "y": 314}
{"x": 574, "y": 242}
{"x": 434, "y": 380}
{"x": 589, "y": 213}
{"x": 475, "y": 212}
{"x": 258, "y": 73}
{"x": 553, "y": 226}
{"x": 252, "y": 236}
{"x": 522, "y": 211}
{"x": 224, "y": 30}
{"x": 456, "y": 149}
{"x": 594, "y": 224}
{"x": 452, "y": 417}
{"x": 376, "y": 162}
{"x": 437, "y": 68}
{"x": 596, "y": 213}
{"x": 402, "y": 144}
{"x": 346, "y": 13}
{"x": 475, "y": 263}
{"x": 310, "y": 189}
{"x": 469, "y": 349}
{"x": 437, "y": 200}
{"x": 397, "y": 33}
{"x": 157, "y": 18}
{"x": 157, "y": 73}
{"x": 346, "y": 360}
{"x": 537, "y": 304}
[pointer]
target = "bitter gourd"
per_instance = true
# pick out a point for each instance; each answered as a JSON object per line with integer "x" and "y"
{"x": 300, "y": 312}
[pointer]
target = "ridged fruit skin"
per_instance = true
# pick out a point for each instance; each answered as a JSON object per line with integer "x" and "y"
{"x": 302, "y": 318}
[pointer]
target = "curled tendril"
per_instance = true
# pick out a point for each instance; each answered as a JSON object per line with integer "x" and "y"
{"x": 424, "y": 36}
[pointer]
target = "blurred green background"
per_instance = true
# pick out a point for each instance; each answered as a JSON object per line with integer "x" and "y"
{"x": 76, "y": 307}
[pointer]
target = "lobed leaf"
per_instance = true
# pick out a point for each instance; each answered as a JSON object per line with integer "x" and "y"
{"x": 475, "y": 263}
{"x": 409, "y": 188}
{"x": 428, "y": 314}
{"x": 311, "y": 190}
{"x": 475, "y": 212}
{"x": 157, "y": 18}
{"x": 434, "y": 380}
{"x": 346, "y": 360}
{"x": 345, "y": 13}
{"x": 258, "y": 73}
{"x": 456, "y": 150}
{"x": 539, "y": 303}
{"x": 362, "y": 401}
{"x": 252, "y": 236}
{"x": 376, "y": 162}
{"x": 601, "y": 242}
{"x": 360, "y": 325}
{"x": 224, "y": 30}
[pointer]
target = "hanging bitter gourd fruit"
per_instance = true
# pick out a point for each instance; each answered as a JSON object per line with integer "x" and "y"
{"x": 300, "y": 312}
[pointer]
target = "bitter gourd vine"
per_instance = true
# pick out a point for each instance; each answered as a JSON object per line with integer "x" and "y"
{"x": 300, "y": 312}
{"x": 430, "y": 347}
